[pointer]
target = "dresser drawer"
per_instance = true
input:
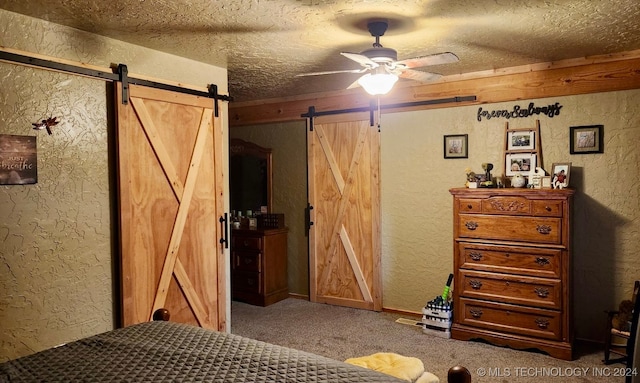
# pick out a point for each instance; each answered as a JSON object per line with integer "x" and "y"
{"x": 511, "y": 205}
{"x": 513, "y": 259}
{"x": 522, "y": 229}
{"x": 470, "y": 205}
{"x": 251, "y": 261}
{"x": 547, "y": 208}
{"x": 247, "y": 243}
{"x": 247, "y": 282}
{"x": 516, "y": 289}
{"x": 539, "y": 323}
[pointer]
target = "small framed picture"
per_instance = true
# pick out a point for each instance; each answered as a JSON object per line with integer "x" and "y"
{"x": 456, "y": 146}
{"x": 560, "y": 173}
{"x": 586, "y": 139}
{"x": 521, "y": 140}
{"x": 519, "y": 163}
{"x": 545, "y": 182}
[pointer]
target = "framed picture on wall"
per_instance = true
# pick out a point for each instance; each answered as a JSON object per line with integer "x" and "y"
{"x": 456, "y": 146}
{"x": 586, "y": 139}
{"x": 519, "y": 163}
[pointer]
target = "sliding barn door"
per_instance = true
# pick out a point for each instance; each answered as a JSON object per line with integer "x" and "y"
{"x": 343, "y": 153}
{"x": 170, "y": 198}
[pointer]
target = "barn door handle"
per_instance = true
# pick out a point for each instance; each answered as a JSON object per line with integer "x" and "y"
{"x": 224, "y": 228}
{"x": 307, "y": 218}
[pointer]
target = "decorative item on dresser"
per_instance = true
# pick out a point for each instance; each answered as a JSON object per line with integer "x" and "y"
{"x": 512, "y": 259}
{"x": 522, "y": 151}
{"x": 259, "y": 265}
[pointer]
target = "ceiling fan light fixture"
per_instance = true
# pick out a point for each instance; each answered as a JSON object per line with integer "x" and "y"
{"x": 378, "y": 83}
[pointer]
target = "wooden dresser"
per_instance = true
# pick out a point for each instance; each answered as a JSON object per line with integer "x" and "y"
{"x": 259, "y": 265}
{"x": 512, "y": 257}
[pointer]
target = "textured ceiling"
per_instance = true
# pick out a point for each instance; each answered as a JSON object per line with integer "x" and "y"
{"x": 265, "y": 43}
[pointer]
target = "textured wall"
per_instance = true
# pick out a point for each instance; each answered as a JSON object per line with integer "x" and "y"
{"x": 55, "y": 257}
{"x": 417, "y": 207}
{"x": 57, "y": 250}
{"x": 417, "y": 217}
{"x": 288, "y": 142}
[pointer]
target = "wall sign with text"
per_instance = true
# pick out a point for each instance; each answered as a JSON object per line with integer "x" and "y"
{"x": 18, "y": 160}
{"x": 520, "y": 112}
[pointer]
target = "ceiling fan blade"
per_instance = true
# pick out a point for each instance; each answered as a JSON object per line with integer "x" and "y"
{"x": 354, "y": 84}
{"x": 419, "y": 76}
{"x": 361, "y": 59}
{"x": 435, "y": 59}
{"x": 333, "y": 72}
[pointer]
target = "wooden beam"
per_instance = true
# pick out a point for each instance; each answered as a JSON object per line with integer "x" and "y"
{"x": 570, "y": 77}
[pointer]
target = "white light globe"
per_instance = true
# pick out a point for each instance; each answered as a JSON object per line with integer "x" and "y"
{"x": 378, "y": 83}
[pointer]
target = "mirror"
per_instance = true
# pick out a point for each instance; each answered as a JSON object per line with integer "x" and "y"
{"x": 249, "y": 176}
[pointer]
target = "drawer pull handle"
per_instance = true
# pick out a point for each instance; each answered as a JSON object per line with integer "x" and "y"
{"x": 547, "y": 208}
{"x": 542, "y": 292}
{"x": 542, "y": 323}
{"x": 475, "y": 284}
{"x": 471, "y": 225}
{"x": 476, "y": 256}
{"x": 543, "y": 229}
{"x": 542, "y": 261}
{"x": 476, "y": 313}
{"x": 469, "y": 206}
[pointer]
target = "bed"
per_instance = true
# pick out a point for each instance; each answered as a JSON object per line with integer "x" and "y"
{"x": 161, "y": 351}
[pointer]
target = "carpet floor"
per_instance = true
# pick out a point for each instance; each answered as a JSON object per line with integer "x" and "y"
{"x": 341, "y": 333}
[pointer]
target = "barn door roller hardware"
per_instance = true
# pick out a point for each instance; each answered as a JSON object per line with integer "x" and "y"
{"x": 121, "y": 74}
{"x": 313, "y": 113}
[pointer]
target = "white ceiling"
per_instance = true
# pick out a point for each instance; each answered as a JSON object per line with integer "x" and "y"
{"x": 265, "y": 43}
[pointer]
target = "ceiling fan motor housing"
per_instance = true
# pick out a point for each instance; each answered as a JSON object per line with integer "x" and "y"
{"x": 377, "y": 28}
{"x": 381, "y": 55}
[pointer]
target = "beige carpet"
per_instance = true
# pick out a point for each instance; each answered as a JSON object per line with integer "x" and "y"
{"x": 342, "y": 333}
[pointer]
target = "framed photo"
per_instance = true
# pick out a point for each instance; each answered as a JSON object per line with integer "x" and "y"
{"x": 521, "y": 140}
{"x": 586, "y": 139}
{"x": 560, "y": 173}
{"x": 456, "y": 146}
{"x": 545, "y": 182}
{"x": 519, "y": 163}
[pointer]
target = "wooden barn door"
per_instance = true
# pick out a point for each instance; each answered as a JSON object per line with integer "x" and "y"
{"x": 170, "y": 198}
{"x": 344, "y": 239}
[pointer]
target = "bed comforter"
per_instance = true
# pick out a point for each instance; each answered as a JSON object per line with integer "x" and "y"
{"x": 172, "y": 352}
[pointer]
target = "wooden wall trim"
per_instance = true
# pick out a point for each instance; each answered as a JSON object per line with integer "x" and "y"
{"x": 570, "y": 77}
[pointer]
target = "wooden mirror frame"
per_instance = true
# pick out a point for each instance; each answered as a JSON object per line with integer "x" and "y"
{"x": 239, "y": 147}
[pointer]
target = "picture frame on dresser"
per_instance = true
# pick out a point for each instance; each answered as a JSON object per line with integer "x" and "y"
{"x": 521, "y": 140}
{"x": 456, "y": 146}
{"x": 519, "y": 163}
{"x": 560, "y": 172}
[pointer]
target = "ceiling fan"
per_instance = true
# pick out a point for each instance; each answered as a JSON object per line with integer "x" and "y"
{"x": 382, "y": 64}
